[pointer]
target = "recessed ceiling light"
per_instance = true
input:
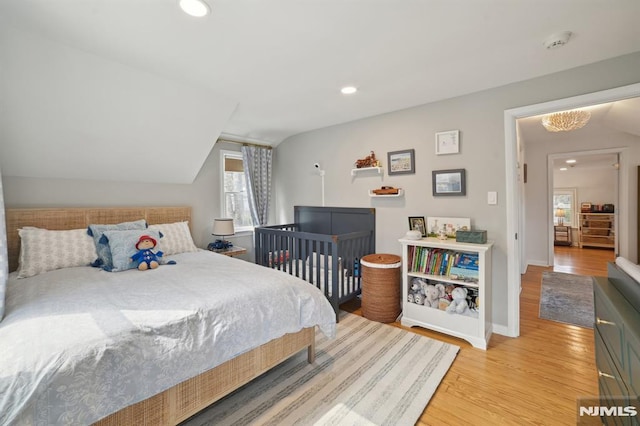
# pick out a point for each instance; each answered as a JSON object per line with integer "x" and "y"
{"x": 197, "y": 8}
{"x": 348, "y": 90}
{"x": 570, "y": 161}
{"x": 563, "y": 169}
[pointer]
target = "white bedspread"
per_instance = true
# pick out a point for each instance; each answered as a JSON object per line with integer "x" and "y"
{"x": 80, "y": 343}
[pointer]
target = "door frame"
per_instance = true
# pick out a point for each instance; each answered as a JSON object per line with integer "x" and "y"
{"x": 621, "y": 184}
{"x": 515, "y": 246}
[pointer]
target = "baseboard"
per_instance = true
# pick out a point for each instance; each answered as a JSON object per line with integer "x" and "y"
{"x": 538, "y": 262}
{"x": 502, "y": 330}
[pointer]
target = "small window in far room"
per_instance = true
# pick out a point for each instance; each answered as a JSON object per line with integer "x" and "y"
{"x": 235, "y": 201}
{"x": 564, "y": 206}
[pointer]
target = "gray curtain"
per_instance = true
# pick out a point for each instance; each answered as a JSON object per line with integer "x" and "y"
{"x": 4, "y": 260}
{"x": 257, "y": 171}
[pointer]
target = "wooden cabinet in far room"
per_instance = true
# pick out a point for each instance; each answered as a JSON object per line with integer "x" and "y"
{"x": 597, "y": 230}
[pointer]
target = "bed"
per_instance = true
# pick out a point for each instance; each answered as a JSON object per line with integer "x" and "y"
{"x": 323, "y": 246}
{"x": 81, "y": 345}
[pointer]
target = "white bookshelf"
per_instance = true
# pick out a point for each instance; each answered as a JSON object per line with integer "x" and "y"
{"x": 475, "y": 330}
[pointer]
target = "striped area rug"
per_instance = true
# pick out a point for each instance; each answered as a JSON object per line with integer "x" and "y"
{"x": 371, "y": 374}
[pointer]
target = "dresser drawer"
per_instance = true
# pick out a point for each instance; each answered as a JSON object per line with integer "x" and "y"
{"x": 609, "y": 377}
{"x": 613, "y": 392}
{"x": 632, "y": 367}
{"x": 609, "y": 325}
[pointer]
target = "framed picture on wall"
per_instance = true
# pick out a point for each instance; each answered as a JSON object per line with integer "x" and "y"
{"x": 448, "y": 142}
{"x": 448, "y": 182}
{"x": 401, "y": 162}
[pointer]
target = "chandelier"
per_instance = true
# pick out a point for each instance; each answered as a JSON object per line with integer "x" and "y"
{"x": 566, "y": 120}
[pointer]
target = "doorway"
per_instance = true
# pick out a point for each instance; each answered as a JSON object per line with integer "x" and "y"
{"x": 580, "y": 182}
{"x": 514, "y": 180}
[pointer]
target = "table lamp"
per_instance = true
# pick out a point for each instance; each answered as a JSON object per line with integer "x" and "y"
{"x": 223, "y": 228}
{"x": 560, "y": 216}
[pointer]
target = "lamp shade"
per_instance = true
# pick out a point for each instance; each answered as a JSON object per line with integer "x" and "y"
{"x": 223, "y": 227}
{"x": 559, "y": 212}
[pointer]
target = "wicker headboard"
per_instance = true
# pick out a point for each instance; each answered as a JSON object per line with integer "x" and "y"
{"x": 75, "y": 218}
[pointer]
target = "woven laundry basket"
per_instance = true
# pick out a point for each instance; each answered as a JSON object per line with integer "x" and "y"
{"x": 381, "y": 290}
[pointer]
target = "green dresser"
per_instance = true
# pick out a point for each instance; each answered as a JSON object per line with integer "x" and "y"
{"x": 617, "y": 343}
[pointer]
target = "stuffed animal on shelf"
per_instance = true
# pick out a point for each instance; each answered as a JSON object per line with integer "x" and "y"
{"x": 145, "y": 256}
{"x": 419, "y": 298}
{"x": 459, "y": 303}
{"x": 443, "y": 303}
{"x": 414, "y": 290}
{"x": 432, "y": 294}
{"x": 416, "y": 286}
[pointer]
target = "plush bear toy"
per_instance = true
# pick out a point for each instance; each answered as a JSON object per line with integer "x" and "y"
{"x": 415, "y": 294}
{"x": 459, "y": 303}
{"x": 146, "y": 257}
{"x": 418, "y": 298}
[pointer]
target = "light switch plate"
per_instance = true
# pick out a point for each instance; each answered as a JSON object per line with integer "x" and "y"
{"x": 492, "y": 198}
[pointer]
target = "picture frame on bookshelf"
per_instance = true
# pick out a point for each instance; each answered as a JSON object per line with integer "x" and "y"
{"x": 417, "y": 223}
{"x": 436, "y": 226}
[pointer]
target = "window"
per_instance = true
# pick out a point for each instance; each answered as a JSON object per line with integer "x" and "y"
{"x": 235, "y": 201}
{"x": 564, "y": 206}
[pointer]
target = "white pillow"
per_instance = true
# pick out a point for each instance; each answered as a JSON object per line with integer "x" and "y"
{"x": 176, "y": 238}
{"x": 42, "y": 250}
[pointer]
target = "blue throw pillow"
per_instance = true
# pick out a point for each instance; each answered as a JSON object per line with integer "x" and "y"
{"x": 102, "y": 250}
{"x": 122, "y": 245}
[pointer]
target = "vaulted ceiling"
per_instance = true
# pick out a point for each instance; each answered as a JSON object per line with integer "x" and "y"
{"x": 123, "y": 82}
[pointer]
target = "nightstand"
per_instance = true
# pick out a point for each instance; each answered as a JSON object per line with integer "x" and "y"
{"x": 562, "y": 235}
{"x": 231, "y": 251}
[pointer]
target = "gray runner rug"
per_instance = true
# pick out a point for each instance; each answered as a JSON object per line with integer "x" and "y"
{"x": 567, "y": 298}
{"x": 370, "y": 374}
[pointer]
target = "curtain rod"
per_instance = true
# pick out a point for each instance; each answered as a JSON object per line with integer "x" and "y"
{"x": 245, "y": 143}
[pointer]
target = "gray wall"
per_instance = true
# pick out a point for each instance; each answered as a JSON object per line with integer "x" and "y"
{"x": 480, "y": 119}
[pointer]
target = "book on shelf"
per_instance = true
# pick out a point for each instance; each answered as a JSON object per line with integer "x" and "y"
{"x": 463, "y": 273}
{"x": 437, "y": 261}
{"x": 468, "y": 261}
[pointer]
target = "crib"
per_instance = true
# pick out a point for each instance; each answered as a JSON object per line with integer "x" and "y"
{"x": 323, "y": 246}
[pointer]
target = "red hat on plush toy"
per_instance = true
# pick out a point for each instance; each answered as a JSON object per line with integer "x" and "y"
{"x": 144, "y": 238}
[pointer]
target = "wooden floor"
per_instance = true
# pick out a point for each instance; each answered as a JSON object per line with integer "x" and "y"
{"x": 533, "y": 379}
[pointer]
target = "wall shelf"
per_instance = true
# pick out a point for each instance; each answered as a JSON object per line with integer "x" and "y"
{"x": 399, "y": 194}
{"x": 378, "y": 170}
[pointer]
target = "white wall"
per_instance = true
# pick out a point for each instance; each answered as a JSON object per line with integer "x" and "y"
{"x": 593, "y": 185}
{"x": 479, "y": 117}
{"x": 70, "y": 114}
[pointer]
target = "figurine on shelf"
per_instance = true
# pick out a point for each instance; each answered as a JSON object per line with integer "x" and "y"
{"x": 368, "y": 161}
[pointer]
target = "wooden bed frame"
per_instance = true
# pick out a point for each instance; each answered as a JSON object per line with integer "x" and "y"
{"x": 185, "y": 399}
